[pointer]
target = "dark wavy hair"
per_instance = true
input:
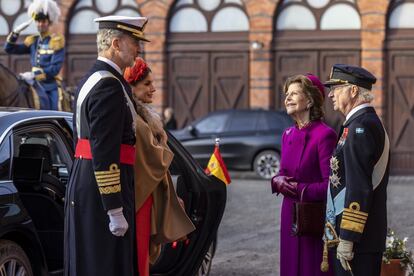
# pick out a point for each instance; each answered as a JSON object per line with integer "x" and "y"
{"x": 312, "y": 92}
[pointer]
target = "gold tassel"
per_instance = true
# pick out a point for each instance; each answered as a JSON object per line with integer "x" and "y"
{"x": 328, "y": 244}
{"x": 325, "y": 261}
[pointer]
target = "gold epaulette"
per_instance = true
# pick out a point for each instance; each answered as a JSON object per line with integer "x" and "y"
{"x": 30, "y": 40}
{"x": 57, "y": 42}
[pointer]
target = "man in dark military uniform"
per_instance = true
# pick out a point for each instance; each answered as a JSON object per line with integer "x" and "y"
{"x": 359, "y": 175}
{"x": 99, "y": 209}
{"x": 46, "y": 51}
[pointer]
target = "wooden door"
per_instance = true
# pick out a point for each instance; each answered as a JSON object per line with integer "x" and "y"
{"x": 229, "y": 80}
{"x": 400, "y": 110}
{"x": 81, "y": 54}
{"x": 188, "y": 85}
{"x": 205, "y": 81}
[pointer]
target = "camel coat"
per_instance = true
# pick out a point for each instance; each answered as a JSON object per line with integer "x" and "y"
{"x": 169, "y": 222}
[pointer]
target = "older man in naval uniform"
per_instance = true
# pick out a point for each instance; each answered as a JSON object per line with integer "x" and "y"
{"x": 99, "y": 210}
{"x": 359, "y": 175}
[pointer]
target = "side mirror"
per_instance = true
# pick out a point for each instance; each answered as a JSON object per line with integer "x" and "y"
{"x": 192, "y": 130}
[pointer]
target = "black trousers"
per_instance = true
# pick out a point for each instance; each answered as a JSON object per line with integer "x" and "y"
{"x": 363, "y": 264}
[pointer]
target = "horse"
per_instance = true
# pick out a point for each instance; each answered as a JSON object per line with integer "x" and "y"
{"x": 17, "y": 92}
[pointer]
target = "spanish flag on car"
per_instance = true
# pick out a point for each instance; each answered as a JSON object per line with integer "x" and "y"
{"x": 217, "y": 167}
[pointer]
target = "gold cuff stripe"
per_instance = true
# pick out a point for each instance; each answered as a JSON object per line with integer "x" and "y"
{"x": 348, "y": 210}
{"x": 353, "y": 219}
{"x": 110, "y": 190}
{"x": 34, "y": 69}
{"x": 355, "y": 215}
{"x": 117, "y": 182}
{"x": 112, "y": 175}
{"x": 107, "y": 172}
{"x": 109, "y": 179}
{"x": 40, "y": 77}
{"x": 352, "y": 226}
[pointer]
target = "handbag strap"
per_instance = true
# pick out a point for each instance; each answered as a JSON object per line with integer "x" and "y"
{"x": 301, "y": 193}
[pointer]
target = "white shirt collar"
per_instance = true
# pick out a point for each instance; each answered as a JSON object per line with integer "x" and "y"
{"x": 111, "y": 63}
{"x": 355, "y": 109}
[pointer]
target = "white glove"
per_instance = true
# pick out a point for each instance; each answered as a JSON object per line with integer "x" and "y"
{"x": 118, "y": 224}
{"x": 344, "y": 253}
{"x": 28, "y": 77}
{"x": 22, "y": 26}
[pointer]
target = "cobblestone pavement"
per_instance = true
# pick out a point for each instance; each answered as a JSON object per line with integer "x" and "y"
{"x": 248, "y": 238}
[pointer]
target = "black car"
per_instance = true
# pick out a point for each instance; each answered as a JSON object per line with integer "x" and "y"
{"x": 36, "y": 155}
{"x": 249, "y": 139}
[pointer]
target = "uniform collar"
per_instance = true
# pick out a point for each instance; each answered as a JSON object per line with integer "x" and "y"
{"x": 355, "y": 110}
{"x": 357, "y": 113}
{"x": 45, "y": 35}
{"x": 111, "y": 63}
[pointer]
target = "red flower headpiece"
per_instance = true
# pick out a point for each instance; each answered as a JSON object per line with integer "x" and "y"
{"x": 137, "y": 72}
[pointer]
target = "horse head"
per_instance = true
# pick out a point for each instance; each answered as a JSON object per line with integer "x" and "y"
{"x": 13, "y": 91}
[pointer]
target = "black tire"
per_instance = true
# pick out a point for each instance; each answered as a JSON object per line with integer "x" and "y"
{"x": 205, "y": 266}
{"x": 266, "y": 164}
{"x": 13, "y": 260}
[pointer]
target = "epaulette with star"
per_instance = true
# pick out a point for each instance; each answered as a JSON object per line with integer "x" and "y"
{"x": 57, "y": 42}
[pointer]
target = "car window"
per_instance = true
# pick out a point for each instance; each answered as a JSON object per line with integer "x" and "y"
{"x": 212, "y": 124}
{"x": 277, "y": 122}
{"x": 5, "y": 159}
{"x": 243, "y": 121}
{"x": 262, "y": 123}
{"x": 60, "y": 159}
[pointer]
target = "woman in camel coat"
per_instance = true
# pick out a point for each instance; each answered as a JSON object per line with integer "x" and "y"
{"x": 160, "y": 216}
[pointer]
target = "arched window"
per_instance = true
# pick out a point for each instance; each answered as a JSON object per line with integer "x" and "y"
{"x": 13, "y": 13}
{"x": 86, "y": 11}
{"x": 401, "y": 15}
{"x": 318, "y": 15}
{"x": 208, "y": 16}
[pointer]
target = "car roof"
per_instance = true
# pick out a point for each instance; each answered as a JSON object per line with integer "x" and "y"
{"x": 12, "y": 115}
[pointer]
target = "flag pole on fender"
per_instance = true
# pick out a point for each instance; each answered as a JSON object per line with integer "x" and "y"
{"x": 216, "y": 165}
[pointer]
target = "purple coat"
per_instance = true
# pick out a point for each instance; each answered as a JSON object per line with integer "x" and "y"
{"x": 305, "y": 156}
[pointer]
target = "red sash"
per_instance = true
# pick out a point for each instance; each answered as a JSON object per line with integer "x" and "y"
{"x": 83, "y": 151}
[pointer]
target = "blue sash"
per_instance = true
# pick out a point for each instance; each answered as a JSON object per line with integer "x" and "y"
{"x": 334, "y": 208}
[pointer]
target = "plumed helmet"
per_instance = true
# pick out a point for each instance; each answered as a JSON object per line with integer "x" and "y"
{"x": 44, "y": 9}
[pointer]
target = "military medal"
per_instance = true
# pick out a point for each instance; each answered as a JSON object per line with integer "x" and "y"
{"x": 341, "y": 141}
{"x": 334, "y": 179}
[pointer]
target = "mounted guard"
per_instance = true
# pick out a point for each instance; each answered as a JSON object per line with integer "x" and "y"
{"x": 47, "y": 52}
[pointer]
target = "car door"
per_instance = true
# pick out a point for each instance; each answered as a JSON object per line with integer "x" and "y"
{"x": 204, "y": 198}
{"x": 205, "y": 131}
{"x": 238, "y": 143}
{"x": 41, "y": 181}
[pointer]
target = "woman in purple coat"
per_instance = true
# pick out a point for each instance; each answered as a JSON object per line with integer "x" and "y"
{"x": 306, "y": 150}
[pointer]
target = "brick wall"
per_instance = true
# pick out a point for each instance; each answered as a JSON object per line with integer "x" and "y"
{"x": 260, "y": 13}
